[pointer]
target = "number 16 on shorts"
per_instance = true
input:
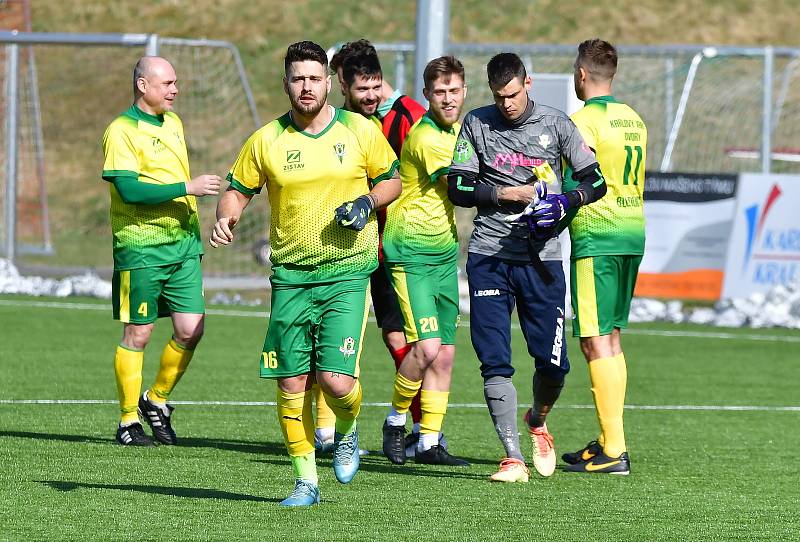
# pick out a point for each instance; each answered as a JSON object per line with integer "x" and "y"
{"x": 269, "y": 360}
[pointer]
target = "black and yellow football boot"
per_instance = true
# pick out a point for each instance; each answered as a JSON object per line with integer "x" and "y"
{"x": 584, "y": 454}
{"x": 601, "y": 463}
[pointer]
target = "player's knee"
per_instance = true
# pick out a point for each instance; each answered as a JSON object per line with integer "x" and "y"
{"x": 189, "y": 335}
{"x": 394, "y": 340}
{"x": 428, "y": 351}
{"x": 495, "y": 368}
{"x": 597, "y": 347}
{"x": 137, "y": 335}
{"x": 443, "y": 365}
{"x": 335, "y": 384}
{"x": 556, "y": 373}
{"x": 587, "y": 348}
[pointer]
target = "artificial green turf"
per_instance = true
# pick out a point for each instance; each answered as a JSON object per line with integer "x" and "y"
{"x": 697, "y": 475}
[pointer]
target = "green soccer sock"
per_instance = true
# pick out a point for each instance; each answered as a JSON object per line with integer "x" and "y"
{"x": 305, "y": 467}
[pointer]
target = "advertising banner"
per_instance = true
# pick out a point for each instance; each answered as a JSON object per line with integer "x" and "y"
{"x": 689, "y": 219}
{"x": 764, "y": 249}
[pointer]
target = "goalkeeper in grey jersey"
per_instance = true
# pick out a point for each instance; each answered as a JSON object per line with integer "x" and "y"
{"x": 509, "y": 263}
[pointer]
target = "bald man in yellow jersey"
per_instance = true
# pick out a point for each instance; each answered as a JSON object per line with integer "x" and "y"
{"x": 420, "y": 246}
{"x": 326, "y": 170}
{"x": 157, "y": 247}
{"x": 607, "y": 248}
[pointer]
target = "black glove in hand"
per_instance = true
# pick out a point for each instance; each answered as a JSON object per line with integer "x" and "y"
{"x": 354, "y": 214}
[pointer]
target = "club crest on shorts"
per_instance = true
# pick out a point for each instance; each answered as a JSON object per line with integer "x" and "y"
{"x": 348, "y": 347}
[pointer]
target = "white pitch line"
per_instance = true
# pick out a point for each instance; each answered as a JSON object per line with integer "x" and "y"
{"x": 711, "y": 335}
{"x": 464, "y": 323}
{"x": 714, "y": 408}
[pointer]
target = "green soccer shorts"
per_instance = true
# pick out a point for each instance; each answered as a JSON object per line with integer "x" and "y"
{"x": 140, "y": 296}
{"x": 316, "y": 328}
{"x": 428, "y": 298}
{"x": 601, "y": 289}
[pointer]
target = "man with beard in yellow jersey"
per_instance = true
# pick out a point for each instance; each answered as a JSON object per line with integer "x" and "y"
{"x": 420, "y": 245}
{"x": 607, "y": 247}
{"x": 365, "y": 91}
{"x": 326, "y": 170}
{"x": 157, "y": 247}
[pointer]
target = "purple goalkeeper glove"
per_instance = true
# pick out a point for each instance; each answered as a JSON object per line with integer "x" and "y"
{"x": 550, "y": 210}
{"x": 527, "y": 216}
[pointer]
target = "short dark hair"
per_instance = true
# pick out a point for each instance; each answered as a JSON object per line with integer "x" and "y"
{"x": 302, "y": 51}
{"x": 503, "y": 67}
{"x": 599, "y": 58}
{"x": 349, "y": 49}
{"x": 365, "y": 64}
{"x": 444, "y": 65}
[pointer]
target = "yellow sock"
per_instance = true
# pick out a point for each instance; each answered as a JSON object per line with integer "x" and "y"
{"x": 404, "y": 392}
{"x": 325, "y": 416}
{"x": 607, "y": 388}
{"x": 346, "y": 408}
{"x": 297, "y": 423}
{"x": 128, "y": 371}
{"x": 622, "y": 368}
{"x": 434, "y": 406}
{"x": 174, "y": 360}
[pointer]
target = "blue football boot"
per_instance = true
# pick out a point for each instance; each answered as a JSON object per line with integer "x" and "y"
{"x": 346, "y": 456}
{"x": 305, "y": 494}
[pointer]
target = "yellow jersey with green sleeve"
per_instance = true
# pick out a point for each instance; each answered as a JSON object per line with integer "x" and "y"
{"x": 150, "y": 149}
{"x": 307, "y": 177}
{"x": 613, "y": 225}
{"x": 421, "y": 224}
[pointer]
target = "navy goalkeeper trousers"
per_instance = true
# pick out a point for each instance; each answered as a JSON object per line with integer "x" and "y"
{"x": 495, "y": 288}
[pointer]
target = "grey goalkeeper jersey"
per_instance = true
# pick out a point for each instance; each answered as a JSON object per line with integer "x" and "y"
{"x": 502, "y": 154}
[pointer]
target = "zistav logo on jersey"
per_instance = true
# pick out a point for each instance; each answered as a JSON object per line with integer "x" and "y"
{"x": 293, "y": 161}
{"x": 158, "y": 145}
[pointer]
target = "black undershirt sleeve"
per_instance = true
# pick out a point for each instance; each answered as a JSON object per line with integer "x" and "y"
{"x": 464, "y": 190}
{"x": 591, "y": 186}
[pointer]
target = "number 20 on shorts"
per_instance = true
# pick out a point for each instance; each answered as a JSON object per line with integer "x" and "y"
{"x": 426, "y": 325}
{"x": 270, "y": 359}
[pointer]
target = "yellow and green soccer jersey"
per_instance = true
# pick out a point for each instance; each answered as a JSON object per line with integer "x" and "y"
{"x": 307, "y": 178}
{"x": 420, "y": 224}
{"x": 615, "y": 223}
{"x": 153, "y": 150}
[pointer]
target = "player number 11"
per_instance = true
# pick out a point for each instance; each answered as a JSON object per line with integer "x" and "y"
{"x": 629, "y": 158}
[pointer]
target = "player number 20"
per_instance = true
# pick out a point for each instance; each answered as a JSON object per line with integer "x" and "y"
{"x": 429, "y": 324}
{"x": 270, "y": 360}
